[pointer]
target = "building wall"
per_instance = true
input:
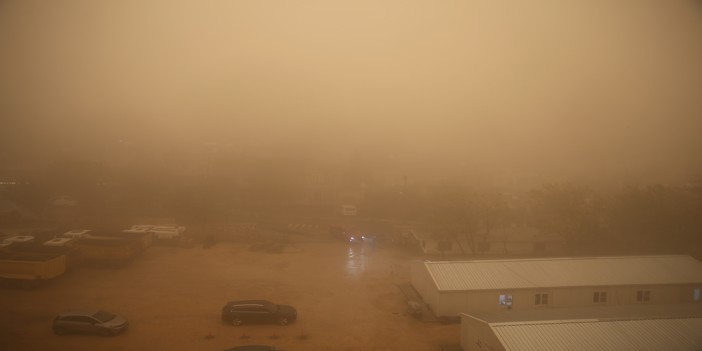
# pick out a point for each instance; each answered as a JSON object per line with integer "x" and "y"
{"x": 477, "y": 336}
{"x": 424, "y": 284}
{"x": 450, "y": 304}
{"x": 691, "y": 293}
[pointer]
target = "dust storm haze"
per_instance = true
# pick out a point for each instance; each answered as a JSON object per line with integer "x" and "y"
{"x": 163, "y": 159}
{"x": 548, "y": 90}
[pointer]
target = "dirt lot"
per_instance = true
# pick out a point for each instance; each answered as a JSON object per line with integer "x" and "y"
{"x": 347, "y": 298}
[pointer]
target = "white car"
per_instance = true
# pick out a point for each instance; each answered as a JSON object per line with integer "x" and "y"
{"x": 160, "y": 231}
{"x": 140, "y": 228}
{"x": 90, "y": 321}
{"x": 18, "y": 239}
{"x": 58, "y": 241}
{"x": 348, "y": 210}
{"x": 167, "y": 232}
{"x": 76, "y": 233}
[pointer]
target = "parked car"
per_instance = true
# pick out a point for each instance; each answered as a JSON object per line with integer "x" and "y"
{"x": 60, "y": 242}
{"x": 257, "y": 311}
{"x": 76, "y": 233}
{"x": 348, "y": 210}
{"x": 167, "y": 232}
{"x": 254, "y": 348}
{"x": 18, "y": 239}
{"x": 161, "y": 232}
{"x": 89, "y": 322}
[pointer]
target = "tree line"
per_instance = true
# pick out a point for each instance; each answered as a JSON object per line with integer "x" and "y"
{"x": 636, "y": 219}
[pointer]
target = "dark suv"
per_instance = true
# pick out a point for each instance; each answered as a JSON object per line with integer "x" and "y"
{"x": 257, "y": 311}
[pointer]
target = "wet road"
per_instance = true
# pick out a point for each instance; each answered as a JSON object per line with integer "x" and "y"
{"x": 346, "y": 296}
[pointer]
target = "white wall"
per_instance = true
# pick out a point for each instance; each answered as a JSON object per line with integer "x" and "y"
{"x": 424, "y": 284}
{"x": 450, "y": 304}
{"x": 477, "y": 336}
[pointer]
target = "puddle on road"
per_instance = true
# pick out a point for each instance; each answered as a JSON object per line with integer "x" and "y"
{"x": 358, "y": 259}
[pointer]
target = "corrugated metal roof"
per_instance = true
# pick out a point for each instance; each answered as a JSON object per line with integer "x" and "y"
{"x": 564, "y": 272}
{"x": 602, "y": 335}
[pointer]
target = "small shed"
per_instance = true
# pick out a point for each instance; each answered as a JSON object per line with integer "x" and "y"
{"x": 453, "y": 287}
{"x": 431, "y": 243}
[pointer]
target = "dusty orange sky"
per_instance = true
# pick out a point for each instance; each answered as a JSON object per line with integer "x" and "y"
{"x": 551, "y": 87}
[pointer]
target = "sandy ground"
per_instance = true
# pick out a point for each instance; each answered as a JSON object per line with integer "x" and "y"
{"x": 347, "y": 298}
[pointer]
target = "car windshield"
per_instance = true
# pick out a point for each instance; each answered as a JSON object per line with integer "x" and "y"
{"x": 103, "y": 316}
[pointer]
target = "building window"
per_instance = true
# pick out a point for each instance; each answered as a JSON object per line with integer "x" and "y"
{"x": 541, "y": 299}
{"x": 696, "y": 294}
{"x": 643, "y": 295}
{"x": 506, "y": 300}
{"x": 599, "y": 297}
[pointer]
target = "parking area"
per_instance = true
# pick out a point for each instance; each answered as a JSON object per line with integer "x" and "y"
{"x": 346, "y": 294}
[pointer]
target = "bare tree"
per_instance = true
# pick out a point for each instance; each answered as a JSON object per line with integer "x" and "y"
{"x": 469, "y": 217}
{"x": 569, "y": 212}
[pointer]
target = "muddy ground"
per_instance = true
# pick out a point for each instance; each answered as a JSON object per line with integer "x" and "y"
{"x": 347, "y": 298}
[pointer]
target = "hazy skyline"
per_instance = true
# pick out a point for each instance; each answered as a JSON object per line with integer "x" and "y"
{"x": 549, "y": 87}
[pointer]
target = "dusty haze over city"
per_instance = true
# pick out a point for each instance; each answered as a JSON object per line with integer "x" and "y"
{"x": 164, "y": 159}
{"x": 551, "y": 90}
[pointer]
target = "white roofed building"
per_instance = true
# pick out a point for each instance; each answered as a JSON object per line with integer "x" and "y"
{"x": 634, "y": 327}
{"x": 453, "y": 287}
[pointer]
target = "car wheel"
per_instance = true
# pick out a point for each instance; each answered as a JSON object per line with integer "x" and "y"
{"x": 236, "y": 322}
{"x": 105, "y": 332}
{"x": 59, "y": 331}
{"x": 283, "y": 321}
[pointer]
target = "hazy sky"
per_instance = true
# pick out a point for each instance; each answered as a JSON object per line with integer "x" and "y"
{"x": 558, "y": 86}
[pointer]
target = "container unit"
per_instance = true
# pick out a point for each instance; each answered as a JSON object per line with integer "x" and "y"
{"x": 29, "y": 269}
